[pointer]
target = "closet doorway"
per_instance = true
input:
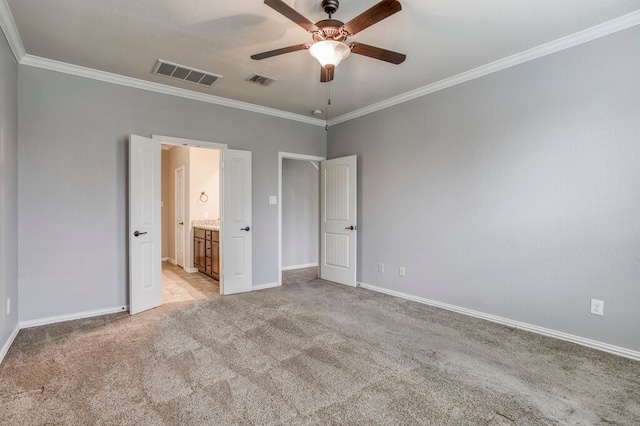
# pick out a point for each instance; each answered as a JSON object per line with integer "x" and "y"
{"x": 298, "y": 212}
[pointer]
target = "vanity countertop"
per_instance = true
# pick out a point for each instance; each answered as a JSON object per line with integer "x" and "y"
{"x": 209, "y": 227}
{"x": 213, "y": 225}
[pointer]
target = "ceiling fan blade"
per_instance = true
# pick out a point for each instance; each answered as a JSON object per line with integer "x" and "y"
{"x": 377, "y": 13}
{"x": 280, "y": 51}
{"x": 284, "y": 9}
{"x": 378, "y": 53}
{"x": 326, "y": 74}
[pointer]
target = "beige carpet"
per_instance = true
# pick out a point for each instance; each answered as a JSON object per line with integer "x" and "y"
{"x": 310, "y": 352}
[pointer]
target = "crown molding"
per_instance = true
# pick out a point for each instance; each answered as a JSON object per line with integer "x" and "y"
{"x": 615, "y": 25}
{"x": 598, "y": 31}
{"x": 62, "y": 67}
{"x": 8, "y": 26}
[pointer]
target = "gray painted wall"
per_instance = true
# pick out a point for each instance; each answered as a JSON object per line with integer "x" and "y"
{"x": 516, "y": 194}
{"x": 73, "y": 135}
{"x": 8, "y": 191}
{"x": 300, "y": 226}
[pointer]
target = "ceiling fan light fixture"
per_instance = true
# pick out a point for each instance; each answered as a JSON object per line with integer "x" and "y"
{"x": 329, "y": 52}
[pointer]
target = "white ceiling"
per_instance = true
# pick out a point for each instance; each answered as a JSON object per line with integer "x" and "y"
{"x": 441, "y": 38}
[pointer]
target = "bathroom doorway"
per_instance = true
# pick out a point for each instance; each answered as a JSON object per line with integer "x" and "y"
{"x": 190, "y": 197}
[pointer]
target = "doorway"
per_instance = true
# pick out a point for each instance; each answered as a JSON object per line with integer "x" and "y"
{"x": 145, "y": 220}
{"x": 191, "y": 191}
{"x": 298, "y": 211}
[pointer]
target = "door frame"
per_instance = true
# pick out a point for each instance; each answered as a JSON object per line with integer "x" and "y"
{"x": 281, "y": 157}
{"x": 191, "y": 143}
{"x": 182, "y": 207}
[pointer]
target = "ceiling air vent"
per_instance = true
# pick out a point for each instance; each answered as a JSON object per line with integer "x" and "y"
{"x": 260, "y": 79}
{"x": 183, "y": 73}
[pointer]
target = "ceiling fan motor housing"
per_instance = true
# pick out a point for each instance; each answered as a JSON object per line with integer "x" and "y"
{"x": 330, "y": 6}
{"x": 330, "y": 29}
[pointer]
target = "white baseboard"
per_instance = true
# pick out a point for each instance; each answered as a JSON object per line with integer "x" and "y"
{"x": 190, "y": 270}
{"x": 265, "y": 286}
{"x": 306, "y": 265}
{"x": 70, "y": 317}
{"x": 9, "y": 342}
{"x": 616, "y": 350}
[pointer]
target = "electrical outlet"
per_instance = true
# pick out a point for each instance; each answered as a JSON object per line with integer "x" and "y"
{"x": 597, "y": 307}
{"x": 402, "y": 271}
{"x": 8, "y": 305}
{"x": 380, "y": 267}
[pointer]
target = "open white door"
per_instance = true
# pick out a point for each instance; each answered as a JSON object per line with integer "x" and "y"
{"x": 145, "y": 241}
{"x": 179, "y": 204}
{"x": 338, "y": 220}
{"x": 236, "y": 222}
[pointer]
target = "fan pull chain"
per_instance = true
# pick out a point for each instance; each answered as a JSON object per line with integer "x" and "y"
{"x": 326, "y": 111}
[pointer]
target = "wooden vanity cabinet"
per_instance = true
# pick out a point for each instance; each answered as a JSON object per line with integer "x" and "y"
{"x": 206, "y": 251}
{"x": 199, "y": 248}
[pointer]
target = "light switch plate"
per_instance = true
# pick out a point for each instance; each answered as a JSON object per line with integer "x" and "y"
{"x": 273, "y": 199}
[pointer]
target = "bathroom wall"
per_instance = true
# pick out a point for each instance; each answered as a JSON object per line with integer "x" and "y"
{"x": 204, "y": 177}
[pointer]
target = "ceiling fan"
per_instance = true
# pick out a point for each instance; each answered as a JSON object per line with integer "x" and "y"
{"x": 329, "y": 35}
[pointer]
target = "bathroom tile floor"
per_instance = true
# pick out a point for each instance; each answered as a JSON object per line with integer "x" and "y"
{"x": 181, "y": 286}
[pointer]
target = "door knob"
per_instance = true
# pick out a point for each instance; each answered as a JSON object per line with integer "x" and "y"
{"x": 181, "y": 223}
{"x": 246, "y": 228}
{"x": 351, "y": 227}
{"x": 138, "y": 233}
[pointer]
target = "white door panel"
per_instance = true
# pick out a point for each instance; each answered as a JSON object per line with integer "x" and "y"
{"x": 179, "y": 201}
{"x": 145, "y": 250}
{"x": 236, "y": 241}
{"x": 338, "y": 216}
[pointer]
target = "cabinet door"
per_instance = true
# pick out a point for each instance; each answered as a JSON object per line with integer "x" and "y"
{"x": 195, "y": 252}
{"x": 216, "y": 258}
{"x": 207, "y": 255}
{"x": 198, "y": 251}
